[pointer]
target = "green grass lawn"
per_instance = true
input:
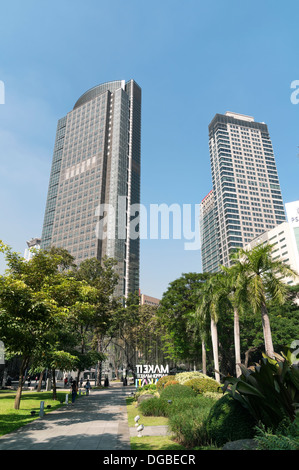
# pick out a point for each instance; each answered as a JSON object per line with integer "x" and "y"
{"x": 154, "y": 443}
{"x": 11, "y": 419}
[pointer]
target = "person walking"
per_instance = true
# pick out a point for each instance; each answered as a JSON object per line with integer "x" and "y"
{"x": 87, "y": 387}
{"x": 74, "y": 390}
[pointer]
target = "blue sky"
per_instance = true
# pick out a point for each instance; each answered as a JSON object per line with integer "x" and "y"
{"x": 192, "y": 59}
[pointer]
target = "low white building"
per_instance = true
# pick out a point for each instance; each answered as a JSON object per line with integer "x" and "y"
{"x": 284, "y": 247}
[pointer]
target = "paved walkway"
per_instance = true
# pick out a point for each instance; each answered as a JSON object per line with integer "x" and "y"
{"x": 96, "y": 422}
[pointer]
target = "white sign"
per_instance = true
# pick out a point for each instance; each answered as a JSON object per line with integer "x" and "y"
{"x": 292, "y": 209}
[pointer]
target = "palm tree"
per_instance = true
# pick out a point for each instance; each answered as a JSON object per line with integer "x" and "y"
{"x": 208, "y": 308}
{"x": 198, "y": 326}
{"x": 236, "y": 284}
{"x": 263, "y": 283}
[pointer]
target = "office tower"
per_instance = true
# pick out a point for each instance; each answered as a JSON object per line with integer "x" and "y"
{"x": 208, "y": 235}
{"x": 32, "y": 246}
{"x": 246, "y": 190}
{"x": 96, "y": 166}
{"x": 148, "y": 300}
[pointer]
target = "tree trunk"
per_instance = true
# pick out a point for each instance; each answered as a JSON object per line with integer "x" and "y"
{"x": 99, "y": 367}
{"x": 247, "y": 355}
{"x": 54, "y": 385}
{"x": 78, "y": 376}
{"x": 267, "y": 332}
{"x": 100, "y": 374}
{"x": 214, "y": 335}
{"x": 40, "y": 382}
{"x": 237, "y": 342}
{"x": 204, "y": 358}
{"x": 23, "y": 366}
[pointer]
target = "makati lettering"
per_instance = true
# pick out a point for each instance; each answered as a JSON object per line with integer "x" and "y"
{"x": 150, "y": 374}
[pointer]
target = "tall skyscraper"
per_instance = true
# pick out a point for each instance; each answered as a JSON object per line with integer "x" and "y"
{"x": 208, "y": 234}
{"x": 246, "y": 191}
{"x": 96, "y": 164}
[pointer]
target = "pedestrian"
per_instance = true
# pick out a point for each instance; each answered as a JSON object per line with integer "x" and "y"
{"x": 87, "y": 387}
{"x": 74, "y": 390}
{"x": 81, "y": 382}
{"x": 65, "y": 382}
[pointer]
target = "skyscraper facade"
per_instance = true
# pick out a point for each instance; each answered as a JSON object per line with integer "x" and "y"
{"x": 246, "y": 191}
{"x": 208, "y": 234}
{"x": 96, "y": 166}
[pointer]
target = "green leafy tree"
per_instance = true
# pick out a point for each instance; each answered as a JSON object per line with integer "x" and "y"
{"x": 176, "y": 315}
{"x": 38, "y": 300}
{"x": 29, "y": 314}
{"x": 103, "y": 325}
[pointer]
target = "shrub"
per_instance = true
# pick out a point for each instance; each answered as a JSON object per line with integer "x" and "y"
{"x": 186, "y": 420}
{"x": 162, "y": 381}
{"x": 149, "y": 389}
{"x": 154, "y": 407}
{"x": 170, "y": 382}
{"x": 204, "y": 384}
{"x": 182, "y": 377}
{"x": 286, "y": 437}
{"x": 228, "y": 421}
{"x": 214, "y": 395}
{"x": 146, "y": 392}
{"x": 269, "y": 390}
{"x": 177, "y": 391}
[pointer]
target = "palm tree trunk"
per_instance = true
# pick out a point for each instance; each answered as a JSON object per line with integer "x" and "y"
{"x": 267, "y": 331}
{"x": 204, "y": 357}
{"x": 237, "y": 342}
{"x": 214, "y": 335}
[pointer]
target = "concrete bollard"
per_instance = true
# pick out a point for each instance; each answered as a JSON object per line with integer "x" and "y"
{"x": 41, "y": 409}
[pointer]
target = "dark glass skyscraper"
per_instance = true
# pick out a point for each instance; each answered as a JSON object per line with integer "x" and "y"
{"x": 96, "y": 166}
